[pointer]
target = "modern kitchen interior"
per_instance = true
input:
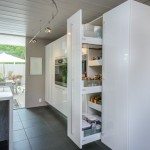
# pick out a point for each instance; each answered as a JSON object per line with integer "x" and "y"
{"x": 88, "y": 88}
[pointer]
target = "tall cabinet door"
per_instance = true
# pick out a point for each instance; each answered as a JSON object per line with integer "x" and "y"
{"x": 115, "y": 76}
{"x": 51, "y": 74}
{"x": 47, "y": 73}
{"x": 74, "y": 46}
{"x": 139, "y": 78}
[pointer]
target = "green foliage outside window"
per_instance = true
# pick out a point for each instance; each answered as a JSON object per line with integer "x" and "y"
{"x": 17, "y": 51}
{"x": 1, "y": 77}
{"x": 64, "y": 73}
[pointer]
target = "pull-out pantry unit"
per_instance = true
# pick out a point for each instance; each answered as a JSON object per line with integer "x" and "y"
{"x": 115, "y": 110}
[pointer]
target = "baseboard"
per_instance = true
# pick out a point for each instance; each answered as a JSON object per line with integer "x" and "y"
{"x": 38, "y": 105}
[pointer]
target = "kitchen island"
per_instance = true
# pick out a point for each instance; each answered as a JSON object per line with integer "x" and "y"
{"x": 6, "y": 118}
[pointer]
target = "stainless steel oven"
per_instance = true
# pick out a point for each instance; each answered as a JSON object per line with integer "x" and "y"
{"x": 61, "y": 72}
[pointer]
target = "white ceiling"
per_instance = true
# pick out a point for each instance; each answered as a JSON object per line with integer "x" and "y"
{"x": 25, "y": 17}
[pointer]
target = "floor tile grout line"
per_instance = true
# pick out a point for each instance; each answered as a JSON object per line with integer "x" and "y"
{"x": 19, "y": 140}
{"x": 25, "y": 131}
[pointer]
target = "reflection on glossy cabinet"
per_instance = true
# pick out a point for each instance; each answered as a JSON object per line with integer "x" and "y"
{"x": 61, "y": 99}
{"x": 60, "y": 47}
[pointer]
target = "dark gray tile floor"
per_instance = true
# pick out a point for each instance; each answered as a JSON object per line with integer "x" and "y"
{"x": 43, "y": 129}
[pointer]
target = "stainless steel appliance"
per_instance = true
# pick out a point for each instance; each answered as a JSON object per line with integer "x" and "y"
{"x": 84, "y": 65}
{"x": 61, "y": 72}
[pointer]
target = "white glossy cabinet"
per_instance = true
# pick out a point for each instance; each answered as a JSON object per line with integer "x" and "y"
{"x": 60, "y": 47}
{"x": 61, "y": 99}
{"x": 55, "y": 95}
{"x": 126, "y": 77}
{"x": 74, "y": 83}
{"x": 47, "y": 73}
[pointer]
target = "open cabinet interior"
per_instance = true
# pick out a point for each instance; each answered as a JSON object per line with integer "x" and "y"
{"x": 85, "y": 77}
{"x": 92, "y": 80}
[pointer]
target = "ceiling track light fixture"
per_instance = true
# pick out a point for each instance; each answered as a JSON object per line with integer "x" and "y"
{"x": 34, "y": 40}
{"x": 47, "y": 29}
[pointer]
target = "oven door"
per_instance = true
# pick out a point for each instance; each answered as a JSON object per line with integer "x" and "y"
{"x": 61, "y": 74}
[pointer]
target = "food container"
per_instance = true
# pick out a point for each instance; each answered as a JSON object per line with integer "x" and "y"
{"x": 92, "y": 31}
{"x": 89, "y": 83}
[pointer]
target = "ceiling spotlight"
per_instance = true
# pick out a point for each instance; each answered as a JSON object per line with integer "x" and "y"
{"x": 34, "y": 41}
{"x": 48, "y": 30}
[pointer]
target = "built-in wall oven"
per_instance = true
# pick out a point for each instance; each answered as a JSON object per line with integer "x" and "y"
{"x": 61, "y": 72}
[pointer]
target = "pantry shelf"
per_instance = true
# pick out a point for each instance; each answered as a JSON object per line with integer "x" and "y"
{"x": 91, "y": 40}
{"x": 91, "y": 138}
{"x": 97, "y": 107}
{"x": 95, "y": 63}
{"x": 92, "y": 89}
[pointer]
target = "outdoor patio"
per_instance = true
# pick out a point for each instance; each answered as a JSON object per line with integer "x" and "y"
{"x": 12, "y": 74}
{"x": 19, "y": 100}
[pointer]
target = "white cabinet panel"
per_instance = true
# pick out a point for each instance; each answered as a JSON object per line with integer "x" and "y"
{"x": 57, "y": 97}
{"x": 114, "y": 91}
{"x": 64, "y": 45}
{"x": 52, "y": 74}
{"x": 139, "y": 78}
{"x": 126, "y": 82}
{"x": 74, "y": 83}
{"x": 60, "y": 47}
{"x": 57, "y": 48}
{"x": 47, "y": 73}
{"x": 61, "y": 99}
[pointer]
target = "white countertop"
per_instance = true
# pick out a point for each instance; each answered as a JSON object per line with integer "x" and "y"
{"x": 5, "y": 94}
